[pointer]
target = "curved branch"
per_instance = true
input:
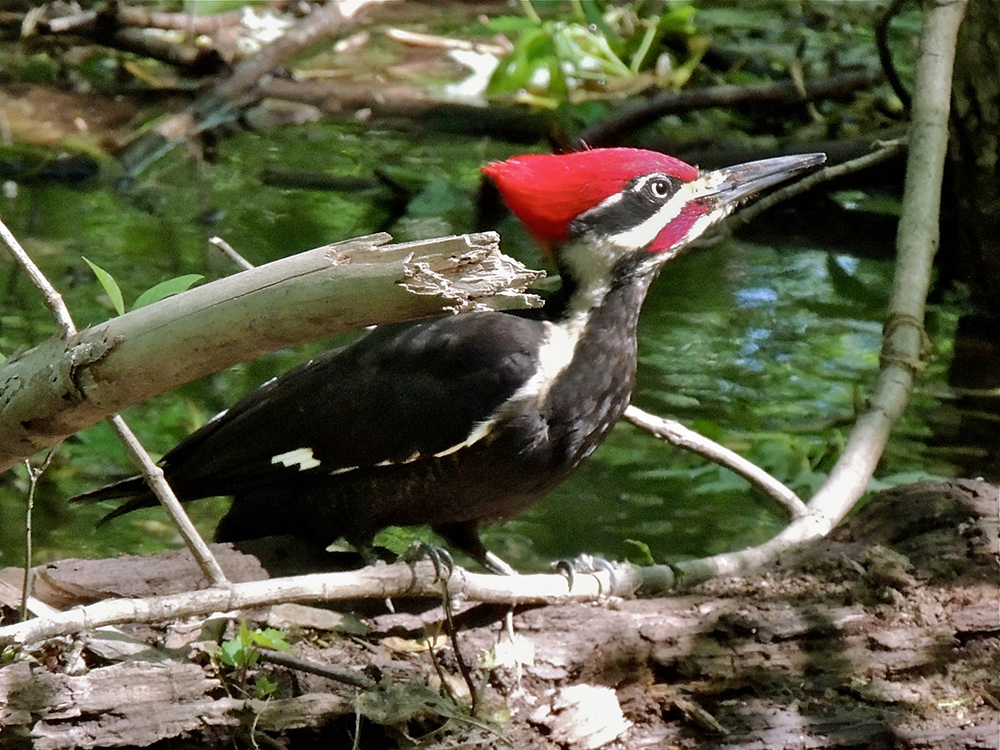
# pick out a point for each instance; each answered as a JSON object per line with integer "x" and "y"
{"x": 885, "y": 55}
{"x": 677, "y": 434}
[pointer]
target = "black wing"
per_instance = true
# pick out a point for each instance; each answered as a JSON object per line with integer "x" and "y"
{"x": 401, "y": 392}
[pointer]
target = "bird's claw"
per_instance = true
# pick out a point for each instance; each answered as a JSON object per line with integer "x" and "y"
{"x": 585, "y": 564}
{"x": 439, "y": 557}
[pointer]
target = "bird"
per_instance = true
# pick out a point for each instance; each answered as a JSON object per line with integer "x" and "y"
{"x": 459, "y": 420}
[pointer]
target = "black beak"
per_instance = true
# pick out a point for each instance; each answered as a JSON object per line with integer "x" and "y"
{"x": 733, "y": 184}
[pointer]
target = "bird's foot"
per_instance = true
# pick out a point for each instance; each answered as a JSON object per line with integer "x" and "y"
{"x": 585, "y": 564}
{"x": 439, "y": 557}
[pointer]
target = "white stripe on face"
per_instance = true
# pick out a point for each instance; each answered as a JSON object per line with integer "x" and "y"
{"x": 644, "y": 233}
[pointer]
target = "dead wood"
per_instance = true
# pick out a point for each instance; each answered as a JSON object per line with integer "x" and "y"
{"x": 66, "y": 384}
{"x": 885, "y": 635}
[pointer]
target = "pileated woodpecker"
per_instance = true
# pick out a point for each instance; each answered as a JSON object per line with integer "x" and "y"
{"x": 462, "y": 419}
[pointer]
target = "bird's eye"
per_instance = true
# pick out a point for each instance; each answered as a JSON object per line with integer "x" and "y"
{"x": 660, "y": 188}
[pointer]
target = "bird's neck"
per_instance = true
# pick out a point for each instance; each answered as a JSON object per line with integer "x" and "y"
{"x": 587, "y": 363}
{"x": 590, "y": 344}
{"x": 603, "y": 301}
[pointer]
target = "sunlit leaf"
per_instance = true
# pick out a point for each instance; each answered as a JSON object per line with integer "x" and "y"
{"x": 110, "y": 286}
{"x": 532, "y": 50}
{"x": 166, "y": 289}
{"x": 643, "y": 554}
{"x": 270, "y": 638}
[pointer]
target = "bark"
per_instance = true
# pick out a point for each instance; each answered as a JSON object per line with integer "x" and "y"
{"x": 884, "y": 635}
{"x": 975, "y": 153}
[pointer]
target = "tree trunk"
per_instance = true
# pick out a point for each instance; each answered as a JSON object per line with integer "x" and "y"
{"x": 975, "y": 152}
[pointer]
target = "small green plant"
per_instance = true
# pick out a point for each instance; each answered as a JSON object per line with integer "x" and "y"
{"x": 160, "y": 291}
{"x": 602, "y": 46}
{"x": 242, "y": 652}
{"x": 640, "y": 553}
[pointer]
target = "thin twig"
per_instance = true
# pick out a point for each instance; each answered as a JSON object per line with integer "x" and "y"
{"x": 230, "y": 252}
{"x": 885, "y": 54}
{"x": 52, "y": 298}
{"x": 677, "y": 434}
{"x": 153, "y": 475}
{"x": 34, "y": 474}
{"x": 302, "y": 665}
{"x": 463, "y": 665}
{"x": 885, "y": 151}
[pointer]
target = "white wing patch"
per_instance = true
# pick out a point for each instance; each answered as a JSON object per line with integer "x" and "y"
{"x": 301, "y": 457}
{"x": 478, "y": 432}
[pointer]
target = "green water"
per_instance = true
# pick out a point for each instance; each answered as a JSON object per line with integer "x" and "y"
{"x": 766, "y": 350}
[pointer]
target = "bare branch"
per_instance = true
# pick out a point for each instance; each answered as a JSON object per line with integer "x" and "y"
{"x": 677, "y": 434}
{"x": 631, "y": 117}
{"x": 230, "y": 252}
{"x": 885, "y": 151}
{"x": 52, "y": 298}
{"x": 154, "y": 477}
{"x": 34, "y": 474}
{"x": 375, "y": 582}
{"x": 60, "y": 387}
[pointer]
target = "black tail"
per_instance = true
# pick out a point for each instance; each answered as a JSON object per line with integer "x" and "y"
{"x": 133, "y": 491}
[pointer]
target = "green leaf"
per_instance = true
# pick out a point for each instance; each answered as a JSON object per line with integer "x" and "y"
{"x": 270, "y": 638}
{"x": 2, "y": 359}
{"x": 532, "y": 49}
{"x": 231, "y": 652}
{"x": 110, "y": 286}
{"x": 264, "y": 687}
{"x": 165, "y": 289}
{"x": 643, "y": 554}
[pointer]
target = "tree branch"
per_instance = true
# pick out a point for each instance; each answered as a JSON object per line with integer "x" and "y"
{"x": 157, "y": 482}
{"x": 884, "y": 150}
{"x": 373, "y": 582}
{"x": 62, "y": 386}
{"x": 52, "y": 298}
{"x": 610, "y": 130}
{"x": 677, "y": 434}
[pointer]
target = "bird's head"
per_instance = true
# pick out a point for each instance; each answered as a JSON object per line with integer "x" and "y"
{"x": 592, "y": 209}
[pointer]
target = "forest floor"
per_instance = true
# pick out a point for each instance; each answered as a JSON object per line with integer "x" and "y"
{"x": 885, "y": 635}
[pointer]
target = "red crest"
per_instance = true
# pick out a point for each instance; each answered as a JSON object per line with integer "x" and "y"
{"x": 548, "y": 191}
